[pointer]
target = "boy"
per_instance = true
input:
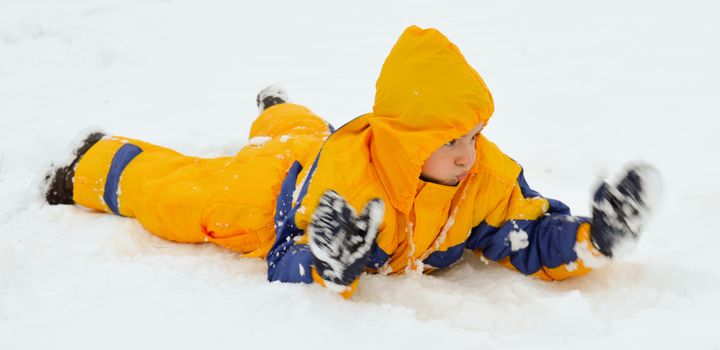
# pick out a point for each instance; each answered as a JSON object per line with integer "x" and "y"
{"x": 426, "y": 184}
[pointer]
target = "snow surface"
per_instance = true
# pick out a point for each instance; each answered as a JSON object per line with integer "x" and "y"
{"x": 580, "y": 88}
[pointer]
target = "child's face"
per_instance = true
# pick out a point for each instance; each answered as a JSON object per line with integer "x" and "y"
{"x": 450, "y": 163}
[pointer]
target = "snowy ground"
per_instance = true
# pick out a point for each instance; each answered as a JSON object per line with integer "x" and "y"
{"x": 580, "y": 88}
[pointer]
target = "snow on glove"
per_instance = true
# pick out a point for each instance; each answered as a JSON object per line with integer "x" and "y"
{"x": 619, "y": 212}
{"x": 340, "y": 241}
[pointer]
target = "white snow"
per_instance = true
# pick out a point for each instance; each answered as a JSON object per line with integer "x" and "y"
{"x": 518, "y": 240}
{"x": 580, "y": 89}
{"x": 585, "y": 253}
{"x": 259, "y": 140}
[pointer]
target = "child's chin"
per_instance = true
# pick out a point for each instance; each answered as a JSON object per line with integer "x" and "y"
{"x": 449, "y": 182}
{"x": 452, "y": 182}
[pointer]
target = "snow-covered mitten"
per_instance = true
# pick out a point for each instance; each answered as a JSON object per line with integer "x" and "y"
{"x": 340, "y": 241}
{"x": 619, "y": 212}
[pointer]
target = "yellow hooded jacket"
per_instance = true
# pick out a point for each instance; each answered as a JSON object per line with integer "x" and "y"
{"x": 427, "y": 94}
{"x": 261, "y": 201}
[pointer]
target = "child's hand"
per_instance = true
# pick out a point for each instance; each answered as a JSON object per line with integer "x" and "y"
{"x": 619, "y": 212}
{"x": 340, "y": 241}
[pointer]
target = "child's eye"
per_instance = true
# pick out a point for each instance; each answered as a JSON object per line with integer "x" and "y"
{"x": 451, "y": 142}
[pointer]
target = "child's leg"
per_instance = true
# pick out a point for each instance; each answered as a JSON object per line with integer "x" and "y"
{"x": 98, "y": 173}
{"x": 105, "y": 180}
{"x": 289, "y": 120}
{"x": 228, "y": 200}
{"x": 181, "y": 198}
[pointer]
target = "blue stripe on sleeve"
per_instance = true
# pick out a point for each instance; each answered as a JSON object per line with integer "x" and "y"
{"x": 556, "y": 206}
{"x": 294, "y": 266}
{"x": 288, "y": 262}
{"x": 284, "y": 199}
{"x": 440, "y": 259}
{"x": 480, "y": 236}
{"x": 378, "y": 257}
{"x": 547, "y": 241}
{"x": 550, "y": 242}
{"x": 120, "y": 160}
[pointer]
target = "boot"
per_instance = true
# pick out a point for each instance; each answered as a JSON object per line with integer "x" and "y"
{"x": 270, "y": 96}
{"x": 59, "y": 180}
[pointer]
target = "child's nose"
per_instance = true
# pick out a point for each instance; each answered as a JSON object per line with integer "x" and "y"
{"x": 465, "y": 156}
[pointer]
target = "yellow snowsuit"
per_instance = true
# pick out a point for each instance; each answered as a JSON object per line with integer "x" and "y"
{"x": 226, "y": 200}
{"x": 260, "y": 201}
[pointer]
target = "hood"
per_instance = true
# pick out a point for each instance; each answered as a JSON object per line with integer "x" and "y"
{"x": 426, "y": 95}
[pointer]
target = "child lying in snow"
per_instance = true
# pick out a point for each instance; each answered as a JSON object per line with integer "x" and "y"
{"x": 426, "y": 183}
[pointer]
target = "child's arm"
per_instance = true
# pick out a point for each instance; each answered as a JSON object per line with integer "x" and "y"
{"x": 539, "y": 237}
{"x": 334, "y": 248}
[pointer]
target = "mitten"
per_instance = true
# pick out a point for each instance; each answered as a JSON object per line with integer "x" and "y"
{"x": 340, "y": 241}
{"x": 620, "y": 211}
